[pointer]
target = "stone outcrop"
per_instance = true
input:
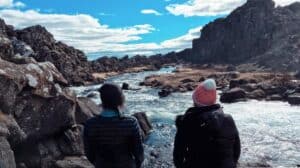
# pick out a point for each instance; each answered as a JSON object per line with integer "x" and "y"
{"x": 36, "y": 42}
{"x": 39, "y": 117}
{"x": 233, "y": 95}
{"x": 257, "y": 32}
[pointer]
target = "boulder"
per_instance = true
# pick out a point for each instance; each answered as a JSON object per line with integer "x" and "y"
{"x": 144, "y": 123}
{"x": 39, "y": 117}
{"x": 233, "y": 95}
{"x": 7, "y": 158}
{"x": 70, "y": 143}
{"x": 10, "y": 129}
{"x": 294, "y": 99}
{"x": 85, "y": 109}
{"x": 257, "y": 94}
{"x": 164, "y": 93}
{"x": 237, "y": 83}
{"x": 32, "y": 93}
{"x": 270, "y": 89}
{"x": 38, "y": 153}
{"x": 125, "y": 86}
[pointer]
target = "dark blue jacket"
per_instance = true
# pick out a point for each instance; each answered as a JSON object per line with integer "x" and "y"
{"x": 206, "y": 138}
{"x": 113, "y": 142}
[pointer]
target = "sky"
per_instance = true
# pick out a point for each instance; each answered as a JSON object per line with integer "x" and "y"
{"x": 120, "y": 27}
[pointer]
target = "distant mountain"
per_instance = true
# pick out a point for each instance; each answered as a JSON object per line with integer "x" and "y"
{"x": 257, "y": 32}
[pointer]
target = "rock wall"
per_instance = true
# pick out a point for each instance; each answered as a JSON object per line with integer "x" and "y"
{"x": 255, "y": 32}
{"x": 40, "y": 119}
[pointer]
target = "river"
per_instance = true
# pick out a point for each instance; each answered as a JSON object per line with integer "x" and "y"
{"x": 269, "y": 131}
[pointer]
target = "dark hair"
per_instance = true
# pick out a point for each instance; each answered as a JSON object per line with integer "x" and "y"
{"x": 111, "y": 96}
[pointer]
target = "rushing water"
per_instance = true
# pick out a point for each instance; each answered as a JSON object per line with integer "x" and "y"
{"x": 269, "y": 131}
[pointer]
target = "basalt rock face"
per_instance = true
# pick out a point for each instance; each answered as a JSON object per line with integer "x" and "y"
{"x": 36, "y": 42}
{"x": 256, "y": 32}
{"x": 39, "y": 117}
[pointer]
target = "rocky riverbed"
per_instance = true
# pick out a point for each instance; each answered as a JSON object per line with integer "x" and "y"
{"x": 236, "y": 85}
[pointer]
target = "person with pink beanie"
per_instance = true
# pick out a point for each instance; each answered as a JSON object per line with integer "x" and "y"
{"x": 206, "y": 136}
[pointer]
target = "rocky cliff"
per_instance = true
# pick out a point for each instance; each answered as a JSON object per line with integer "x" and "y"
{"x": 256, "y": 32}
{"x": 36, "y": 42}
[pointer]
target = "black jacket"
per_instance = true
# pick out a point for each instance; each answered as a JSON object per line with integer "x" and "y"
{"x": 206, "y": 138}
{"x": 113, "y": 142}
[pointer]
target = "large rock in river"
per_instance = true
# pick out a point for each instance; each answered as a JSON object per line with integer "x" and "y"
{"x": 233, "y": 95}
{"x": 294, "y": 99}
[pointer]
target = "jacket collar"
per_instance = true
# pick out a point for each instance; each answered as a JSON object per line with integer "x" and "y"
{"x": 109, "y": 113}
{"x": 204, "y": 109}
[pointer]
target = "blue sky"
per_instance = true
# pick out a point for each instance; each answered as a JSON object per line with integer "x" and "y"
{"x": 120, "y": 27}
{"x": 123, "y": 13}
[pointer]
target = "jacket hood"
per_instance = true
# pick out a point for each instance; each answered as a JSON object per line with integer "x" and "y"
{"x": 194, "y": 112}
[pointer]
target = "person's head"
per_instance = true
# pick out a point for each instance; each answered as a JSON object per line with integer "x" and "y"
{"x": 205, "y": 94}
{"x": 112, "y": 96}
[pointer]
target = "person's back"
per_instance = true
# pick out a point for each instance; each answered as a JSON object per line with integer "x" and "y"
{"x": 113, "y": 141}
{"x": 206, "y": 137}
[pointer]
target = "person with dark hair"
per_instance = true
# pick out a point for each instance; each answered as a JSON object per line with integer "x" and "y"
{"x": 206, "y": 137}
{"x": 112, "y": 140}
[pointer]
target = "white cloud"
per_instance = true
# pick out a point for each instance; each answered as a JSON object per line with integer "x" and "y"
{"x": 285, "y": 2}
{"x": 6, "y": 3}
{"x": 19, "y": 4}
{"x": 81, "y": 31}
{"x": 182, "y": 42}
{"x": 211, "y": 7}
{"x": 175, "y": 44}
{"x": 11, "y": 4}
{"x": 151, "y": 11}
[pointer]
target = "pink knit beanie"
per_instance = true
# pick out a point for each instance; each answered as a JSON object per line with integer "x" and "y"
{"x": 206, "y": 93}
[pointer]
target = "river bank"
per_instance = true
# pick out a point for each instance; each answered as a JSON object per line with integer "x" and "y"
{"x": 235, "y": 85}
